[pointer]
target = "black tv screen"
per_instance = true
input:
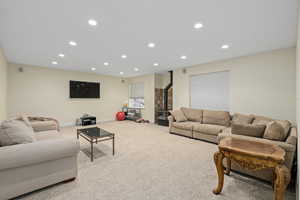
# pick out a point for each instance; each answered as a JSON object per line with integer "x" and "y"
{"x": 79, "y": 89}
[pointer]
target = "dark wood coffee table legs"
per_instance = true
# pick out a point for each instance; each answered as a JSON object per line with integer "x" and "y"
{"x": 218, "y": 158}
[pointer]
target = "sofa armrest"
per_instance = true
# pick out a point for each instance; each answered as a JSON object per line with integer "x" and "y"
{"x": 43, "y": 123}
{"x": 292, "y": 138}
{"x": 37, "y": 152}
{"x": 171, "y": 120}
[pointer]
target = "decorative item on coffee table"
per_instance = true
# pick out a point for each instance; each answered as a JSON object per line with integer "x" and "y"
{"x": 252, "y": 155}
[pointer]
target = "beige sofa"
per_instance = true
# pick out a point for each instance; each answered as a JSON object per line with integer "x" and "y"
{"x": 213, "y": 126}
{"x": 200, "y": 124}
{"x": 28, "y": 167}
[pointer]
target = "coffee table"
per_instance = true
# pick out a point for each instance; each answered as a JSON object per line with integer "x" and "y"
{"x": 252, "y": 155}
{"x": 95, "y": 135}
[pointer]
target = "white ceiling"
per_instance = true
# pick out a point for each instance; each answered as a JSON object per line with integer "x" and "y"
{"x": 35, "y": 32}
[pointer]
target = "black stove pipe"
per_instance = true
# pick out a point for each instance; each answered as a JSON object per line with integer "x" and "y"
{"x": 166, "y": 91}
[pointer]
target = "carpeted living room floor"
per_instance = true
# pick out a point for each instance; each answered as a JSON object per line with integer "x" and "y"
{"x": 150, "y": 164}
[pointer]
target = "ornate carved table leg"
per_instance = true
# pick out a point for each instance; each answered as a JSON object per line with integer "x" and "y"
{"x": 228, "y": 168}
{"x": 218, "y": 158}
{"x": 282, "y": 179}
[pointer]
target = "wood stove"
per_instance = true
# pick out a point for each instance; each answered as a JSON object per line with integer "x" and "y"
{"x": 163, "y": 114}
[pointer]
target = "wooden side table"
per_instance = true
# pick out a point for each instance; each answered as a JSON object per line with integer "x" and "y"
{"x": 252, "y": 155}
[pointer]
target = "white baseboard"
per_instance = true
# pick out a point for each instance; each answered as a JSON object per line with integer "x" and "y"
{"x": 68, "y": 124}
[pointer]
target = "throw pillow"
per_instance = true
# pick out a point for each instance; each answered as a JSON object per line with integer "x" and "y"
{"x": 265, "y": 120}
{"x": 248, "y": 129}
{"x": 15, "y": 132}
{"x": 178, "y": 115}
{"x": 194, "y": 115}
{"x": 216, "y": 117}
{"x": 242, "y": 119}
{"x": 274, "y": 131}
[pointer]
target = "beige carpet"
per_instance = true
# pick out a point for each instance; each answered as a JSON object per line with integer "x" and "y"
{"x": 150, "y": 164}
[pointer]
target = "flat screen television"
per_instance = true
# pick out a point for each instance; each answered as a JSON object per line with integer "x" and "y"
{"x": 79, "y": 89}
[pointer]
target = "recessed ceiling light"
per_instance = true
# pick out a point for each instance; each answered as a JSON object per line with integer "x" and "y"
{"x": 54, "y": 62}
{"x": 92, "y": 22}
{"x": 136, "y": 69}
{"x": 183, "y": 57}
{"x": 121, "y": 73}
{"x": 151, "y": 45}
{"x": 106, "y": 63}
{"x": 93, "y": 69}
{"x": 123, "y": 56}
{"x": 61, "y": 55}
{"x": 198, "y": 25}
{"x": 155, "y": 64}
{"x": 72, "y": 43}
{"x": 225, "y": 46}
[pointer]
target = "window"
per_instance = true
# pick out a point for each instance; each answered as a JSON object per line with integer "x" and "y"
{"x": 210, "y": 91}
{"x": 136, "y": 95}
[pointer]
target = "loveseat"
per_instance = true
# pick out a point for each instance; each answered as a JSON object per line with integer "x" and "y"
{"x": 212, "y": 126}
{"x": 31, "y": 165}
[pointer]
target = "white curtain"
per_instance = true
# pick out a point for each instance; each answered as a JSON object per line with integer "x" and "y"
{"x": 210, "y": 91}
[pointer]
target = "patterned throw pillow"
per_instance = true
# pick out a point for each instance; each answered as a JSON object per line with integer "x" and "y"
{"x": 178, "y": 115}
{"x": 248, "y": 129}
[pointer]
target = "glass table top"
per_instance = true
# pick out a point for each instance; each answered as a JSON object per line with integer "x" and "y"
{"x": 95, "y": 132}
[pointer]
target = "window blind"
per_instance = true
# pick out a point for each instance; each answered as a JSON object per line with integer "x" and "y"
{"x": 137, "y": 90}
{"x": 210, "y": 91}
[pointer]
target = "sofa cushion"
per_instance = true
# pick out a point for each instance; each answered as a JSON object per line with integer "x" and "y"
{"x": 15, "y": 132}
{"x": 47, "y": 135}
{"x": 253, "y": 130}
{"x": 191, "y": 114}
{"x": 265, "y": 120}
{"x": 209, "y": 129}
{"x": 274, "y": 131}
{"x": 184, "y": 125}
{"x": 242, "y": 119}
{"x": 43, "y": 125}
{"x": 216, "y": 117}
{"x": 178, "y": 115}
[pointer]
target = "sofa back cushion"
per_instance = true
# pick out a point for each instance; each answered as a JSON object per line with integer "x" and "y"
{"x": 216, "y": 117}
{"x": 178, "y": 115}
{"x": 15, "y": 132}
{"x": 286, "y": 125}
{"x": 274, "y": 131}
{"x": 194, "y": 115}
{"x": 242, "y": 119}
{"x": 248, "y": 129}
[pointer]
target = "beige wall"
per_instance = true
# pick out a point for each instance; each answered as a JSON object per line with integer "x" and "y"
{"x": 149, "y": 89}
{"x": 3, "y": 86}
{"x": 298, "y": 98}
{"x": 162, "y": 80}
{"x": 259, "y": 84}
{"x": 45, "y": 92}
